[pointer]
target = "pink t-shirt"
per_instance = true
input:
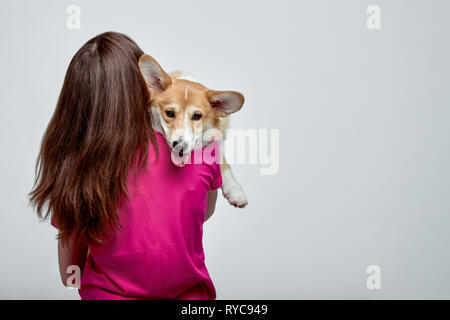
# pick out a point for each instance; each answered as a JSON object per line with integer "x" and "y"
{"x": 158, "y": 252}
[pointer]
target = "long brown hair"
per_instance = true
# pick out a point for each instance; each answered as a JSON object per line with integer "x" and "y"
{"x": 100, "y": 128}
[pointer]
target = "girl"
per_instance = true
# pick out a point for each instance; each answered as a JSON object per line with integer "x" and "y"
{"x": 127, "y": 216}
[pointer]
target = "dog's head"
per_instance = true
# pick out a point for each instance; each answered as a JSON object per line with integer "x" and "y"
{"x": 185, "y": 108}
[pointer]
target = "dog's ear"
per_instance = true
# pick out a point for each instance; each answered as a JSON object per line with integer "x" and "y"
{"x": 155, "y": 76}
{"x": 226, "y": 102}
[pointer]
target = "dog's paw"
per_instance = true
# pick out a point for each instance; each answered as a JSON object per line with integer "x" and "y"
{"x": 235, "y": 195}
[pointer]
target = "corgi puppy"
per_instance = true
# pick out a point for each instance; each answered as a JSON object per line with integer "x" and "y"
{"x": 183, "y": 110}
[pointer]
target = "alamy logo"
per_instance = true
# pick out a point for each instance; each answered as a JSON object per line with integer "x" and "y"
{"x": 374, "y": 279}
{"x": 74, "y": 18}
{"x": 73, "y": 281}
{"x": 374, "y": 19}
{"x": 250, "y": 146}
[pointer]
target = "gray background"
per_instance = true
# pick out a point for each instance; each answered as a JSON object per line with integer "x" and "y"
{"x": 364, "y": 138}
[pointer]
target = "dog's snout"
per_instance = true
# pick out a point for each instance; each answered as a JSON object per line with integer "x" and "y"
{"x": 180, "y": 139}
{"x": 181, "y": 147}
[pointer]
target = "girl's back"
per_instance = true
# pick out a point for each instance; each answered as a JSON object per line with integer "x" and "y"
{"x": 158, "y": 252}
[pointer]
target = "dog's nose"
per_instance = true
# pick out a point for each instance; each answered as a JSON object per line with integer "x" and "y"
{"x": 180, "y": 138}
{"x": 179, "y": 146}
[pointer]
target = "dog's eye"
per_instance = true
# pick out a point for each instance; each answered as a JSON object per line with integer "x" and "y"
{"x": 170, "y": 113}
{"x": 196, "y": 116}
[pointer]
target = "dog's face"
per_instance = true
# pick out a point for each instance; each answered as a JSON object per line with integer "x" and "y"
{"x": 185, "y": 108}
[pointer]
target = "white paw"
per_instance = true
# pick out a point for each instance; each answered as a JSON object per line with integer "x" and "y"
{"x": 234, "y": 194}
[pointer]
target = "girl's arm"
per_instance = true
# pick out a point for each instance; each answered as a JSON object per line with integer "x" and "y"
{"x": 71, "y": 253}
{"x": 212, "y": 199}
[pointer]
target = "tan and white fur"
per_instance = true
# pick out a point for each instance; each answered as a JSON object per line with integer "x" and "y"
{"x": 183, "y": 110}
